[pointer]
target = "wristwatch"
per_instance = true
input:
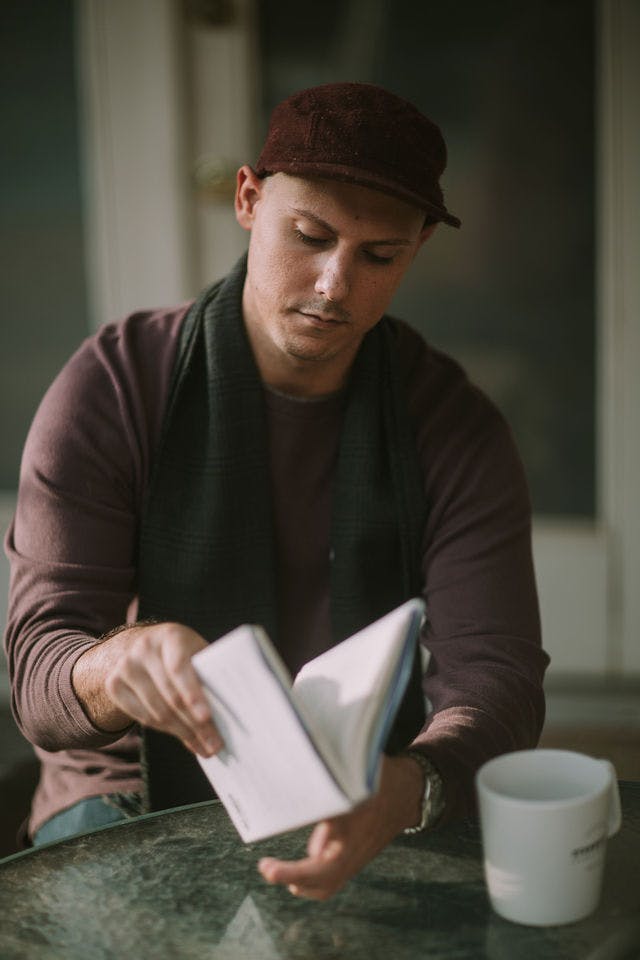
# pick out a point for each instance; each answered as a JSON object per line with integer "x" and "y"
{"x": 433, "y": 797}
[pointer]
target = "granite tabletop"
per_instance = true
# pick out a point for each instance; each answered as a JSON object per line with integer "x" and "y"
{"x": 182, "y": 885}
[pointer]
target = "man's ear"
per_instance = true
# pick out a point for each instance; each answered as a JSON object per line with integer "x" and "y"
{"x": 248, "y": 192}
{"x": 426, "y": 233}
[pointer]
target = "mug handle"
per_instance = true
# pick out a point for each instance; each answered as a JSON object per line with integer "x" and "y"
{"x": 615, "y": 812}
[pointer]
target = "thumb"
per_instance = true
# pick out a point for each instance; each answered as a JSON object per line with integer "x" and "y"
{"x": 326, "y": 840}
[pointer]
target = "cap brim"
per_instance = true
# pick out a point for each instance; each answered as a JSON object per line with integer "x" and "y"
{"x": 350, "y": 174}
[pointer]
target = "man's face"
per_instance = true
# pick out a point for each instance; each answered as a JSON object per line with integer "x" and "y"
{"x": 325, "y": 259}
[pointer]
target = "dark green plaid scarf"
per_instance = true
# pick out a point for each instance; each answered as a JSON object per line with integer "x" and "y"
{"x": 207, "y": 541}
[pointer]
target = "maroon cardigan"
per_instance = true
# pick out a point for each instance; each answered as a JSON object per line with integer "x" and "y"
{"x": 72, "y": 548}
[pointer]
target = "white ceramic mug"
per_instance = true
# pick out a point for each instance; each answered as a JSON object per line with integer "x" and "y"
{"x": 545, "y": 817}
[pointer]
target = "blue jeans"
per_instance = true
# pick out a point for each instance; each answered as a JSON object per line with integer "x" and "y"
{"x": 88, "y": 815}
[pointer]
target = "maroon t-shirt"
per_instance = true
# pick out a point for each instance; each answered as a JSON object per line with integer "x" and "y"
{"x": 72, "y": 548}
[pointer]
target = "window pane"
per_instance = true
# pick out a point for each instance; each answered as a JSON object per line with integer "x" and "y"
{"x": 511, "y": 294}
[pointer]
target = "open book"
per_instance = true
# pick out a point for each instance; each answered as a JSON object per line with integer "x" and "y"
{"x": 298, "y": 752}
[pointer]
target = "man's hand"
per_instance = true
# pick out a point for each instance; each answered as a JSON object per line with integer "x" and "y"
{"x": 340, "y": 847}
{"x": 144, "y": 673}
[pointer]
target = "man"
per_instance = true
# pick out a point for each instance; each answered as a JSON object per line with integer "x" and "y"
{"x": 279, "y": 452}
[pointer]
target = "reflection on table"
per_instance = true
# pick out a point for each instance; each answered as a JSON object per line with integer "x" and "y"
{"x": 182, "y": 885}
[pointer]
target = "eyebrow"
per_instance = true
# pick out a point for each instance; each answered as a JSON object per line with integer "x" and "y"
{"x": 387, "y": 242}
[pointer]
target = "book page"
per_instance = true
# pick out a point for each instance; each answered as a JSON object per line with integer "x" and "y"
{"x": 344, "y": 693}
{"x": 270, "y": 776}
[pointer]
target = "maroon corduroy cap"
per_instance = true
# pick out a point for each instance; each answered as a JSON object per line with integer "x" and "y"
{"x": 359, "y": 133}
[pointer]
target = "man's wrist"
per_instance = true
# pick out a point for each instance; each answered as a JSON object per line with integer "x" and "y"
{"x": 432, "y": 799}
{"x": 88, "y": 681}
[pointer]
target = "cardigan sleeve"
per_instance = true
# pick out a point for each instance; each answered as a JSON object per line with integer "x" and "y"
{"x": 72, "y": 541}
{"x": 484, "y": 679}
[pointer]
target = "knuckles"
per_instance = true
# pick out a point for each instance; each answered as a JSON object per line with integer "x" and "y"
{"x": 171, "y": 643}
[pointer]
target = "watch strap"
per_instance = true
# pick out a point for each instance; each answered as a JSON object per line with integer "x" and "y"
{"x": 433, "y": 797}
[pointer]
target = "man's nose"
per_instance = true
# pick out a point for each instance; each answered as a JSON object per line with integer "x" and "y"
{"x": 333, "y": 281}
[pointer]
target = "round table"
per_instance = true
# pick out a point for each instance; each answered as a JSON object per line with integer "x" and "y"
{"x": 182, "y": 885}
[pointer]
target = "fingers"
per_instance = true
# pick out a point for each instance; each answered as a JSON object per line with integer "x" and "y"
{"x": 304, "y": 878}
{"x": 155, "y": 684}
{"x": 148, "y": 695}
{"x": 330, "y": 864}
{"x": 320, "y": 836}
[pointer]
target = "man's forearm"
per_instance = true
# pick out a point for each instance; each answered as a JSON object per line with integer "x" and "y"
{"x": 89, "y": 678}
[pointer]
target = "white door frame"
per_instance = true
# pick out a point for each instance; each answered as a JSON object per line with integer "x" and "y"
{"x": 134, "y": 141}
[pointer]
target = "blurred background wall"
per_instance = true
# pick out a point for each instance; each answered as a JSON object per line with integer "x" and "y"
{"x": 124, "y": 121}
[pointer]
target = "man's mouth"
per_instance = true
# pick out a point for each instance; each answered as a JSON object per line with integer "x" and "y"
{"x": 323, "y": 318}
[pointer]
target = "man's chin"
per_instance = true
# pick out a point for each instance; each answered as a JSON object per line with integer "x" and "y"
{"x": 309, "y": 354}
{"x": 311, "y": 344}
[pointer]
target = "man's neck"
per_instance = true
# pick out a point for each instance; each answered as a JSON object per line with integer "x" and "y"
{"x": 306, "y": 384}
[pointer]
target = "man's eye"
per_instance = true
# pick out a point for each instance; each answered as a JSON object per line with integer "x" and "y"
{"x": 376, "y": 258}
{"x": 311, "y": 241}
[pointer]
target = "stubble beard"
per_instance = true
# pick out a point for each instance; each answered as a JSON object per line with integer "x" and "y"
{"x": 306, "y": 351}
{"x": 313, "y": 345}
{"x": 307, "y": 348}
